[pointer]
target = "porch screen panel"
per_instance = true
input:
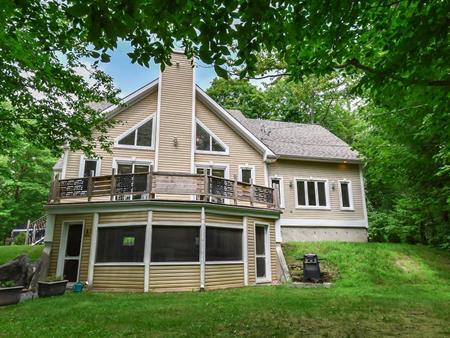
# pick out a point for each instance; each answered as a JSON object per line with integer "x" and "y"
{"x": 223, "y": 244}
{"x": 175, "y": 244}
{"x": 120, "y": 244}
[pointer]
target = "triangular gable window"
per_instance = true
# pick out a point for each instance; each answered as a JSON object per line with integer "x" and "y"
{"x": 140, "y": 136}
{"x": 205, "y": 141}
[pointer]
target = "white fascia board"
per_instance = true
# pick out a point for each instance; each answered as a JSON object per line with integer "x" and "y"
{"x": 318, "y": 159}
{"x": 243, "y": 131}
{"x": 112, "y": 111}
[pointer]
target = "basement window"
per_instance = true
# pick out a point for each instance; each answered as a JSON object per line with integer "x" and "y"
{"x": 120, "y": 244}
{"x": 206, "y": 141}
{"x": 175, "y": 244}
{"x": 223, "y": 244}
{"x": 312, "y": 193}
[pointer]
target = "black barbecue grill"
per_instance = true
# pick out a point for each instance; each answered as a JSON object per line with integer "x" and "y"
{"x": 311, "y": 268}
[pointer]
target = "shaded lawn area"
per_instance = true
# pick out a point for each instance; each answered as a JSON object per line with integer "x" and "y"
{"x": 9, "y": 252}
{"x": 382, "y": 290}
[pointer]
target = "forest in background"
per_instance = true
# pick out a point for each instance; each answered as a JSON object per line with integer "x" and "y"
{"x": 376, "y": 73}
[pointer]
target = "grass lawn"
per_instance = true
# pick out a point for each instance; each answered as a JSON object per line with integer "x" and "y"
{"x": 381, "y": 290}
{"x": 10, "y": 252}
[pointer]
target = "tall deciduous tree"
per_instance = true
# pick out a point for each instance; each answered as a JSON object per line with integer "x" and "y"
{"x": 25, "y": 174}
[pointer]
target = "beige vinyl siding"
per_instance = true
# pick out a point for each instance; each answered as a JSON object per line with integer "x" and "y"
{"x": 251, "y": 259}
{"x": 273, "y": 253}
{"x": 174, "y": 278}
{"x": 86, "y": 245}
{"x": 331, "y": 171}
{"x": 175, "y": 120}
{"x": 223, "y": 219}
{"x": 119, "y": 278}
{"x": 120, "y": 217}
{"x": 221, "y": 276}
{"x": 126, "y": 119}
{"x": 174, "y": 217}
{"x": 241, "y": 153}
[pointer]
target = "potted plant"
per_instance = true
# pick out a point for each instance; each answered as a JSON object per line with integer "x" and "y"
{"x": 9, "y": 293}
{"x": 52, "y": 286}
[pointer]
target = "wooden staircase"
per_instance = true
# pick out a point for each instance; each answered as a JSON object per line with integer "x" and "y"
{"x": 36, "y": 231}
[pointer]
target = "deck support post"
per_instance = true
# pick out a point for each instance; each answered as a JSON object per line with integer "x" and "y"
{"x": 151, "y": 195}
{"x": 93, "y": 250}
{"x": 245, "y": 249}
{"x": 202, "y": 249}
{"x": 206, "y": 181}
{"x": 56, "y": 189}
{"x": 90, "y": 186}
{"x": 252, "y": 192}
{"x": 235, "y": 188}
{"x": 148, "y": 251}
{"x": 113, "y": 184}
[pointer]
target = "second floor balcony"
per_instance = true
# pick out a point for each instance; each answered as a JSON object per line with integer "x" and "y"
{"x": 171, "y": 186}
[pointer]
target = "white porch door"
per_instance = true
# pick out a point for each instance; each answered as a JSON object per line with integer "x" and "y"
{"x": 73, "y": 236}
{"x": 262, "y": 252}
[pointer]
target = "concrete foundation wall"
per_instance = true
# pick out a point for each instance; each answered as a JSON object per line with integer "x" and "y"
{"x": 315, "y": 234}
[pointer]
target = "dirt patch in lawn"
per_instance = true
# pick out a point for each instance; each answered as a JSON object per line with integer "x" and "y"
{"x": 328, "y": 272}
{"x": 406, "y": 264}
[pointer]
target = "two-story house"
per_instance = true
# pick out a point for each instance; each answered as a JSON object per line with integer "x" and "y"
{"x": 194, "y": 196}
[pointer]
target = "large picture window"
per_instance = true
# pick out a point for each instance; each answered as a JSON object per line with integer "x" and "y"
{"x": 120, "y": 244}
{"x": 175, "y": 244}
{"x": 223, "y": 244}
{"x": 312, "y": 193}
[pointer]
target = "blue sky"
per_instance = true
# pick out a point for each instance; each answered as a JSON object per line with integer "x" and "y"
{"x": 128, "y": 76}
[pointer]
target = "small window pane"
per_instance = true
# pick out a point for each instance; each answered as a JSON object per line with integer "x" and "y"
{"x": 175, "y": 244}
{"x": 301, "y": 192}
{"x": 260, "y": 241}
{"x": 322, "y": 194}
{"x": 144, "y": 136}
{"x": 128, "y": 140}
{"x": 223, "y": 244}
{"x": 114, "y": 244}
{"x": 345, "y": 195}
{"x": 74, "y": 240}
{"x": 89, "y": 166}
{"x": 260, "y": 267}
{"x": 246, "y": 175}
{"x": 218, "y": 172}
{"x": 216, "y": 146}
{"x": 203, "y": 139}
{"x": 124, "y": 168}
{"x": 311, "y": 193}
{"x": 276, "y": 184}
{"x": 71, "y": 270}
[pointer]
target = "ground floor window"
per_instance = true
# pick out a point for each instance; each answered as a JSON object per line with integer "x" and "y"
{"x": 223, "y": 244}
{"x": 175, "y": 244}
{"x": 345, "y": 188}
{"x": 120, "y": 244}
{"x": 312, "y": 193}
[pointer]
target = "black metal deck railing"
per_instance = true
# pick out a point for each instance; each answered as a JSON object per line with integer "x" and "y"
{"x": 164, "y": 186}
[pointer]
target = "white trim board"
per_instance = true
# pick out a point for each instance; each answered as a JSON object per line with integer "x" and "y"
{"x": 325, "y": 223}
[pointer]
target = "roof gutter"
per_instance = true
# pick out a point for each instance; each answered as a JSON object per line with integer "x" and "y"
{"x": 272, "y": 159}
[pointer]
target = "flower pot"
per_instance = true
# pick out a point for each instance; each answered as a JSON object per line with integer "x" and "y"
{"x": 49, "y": 289}
{"x": 11, "y": 295}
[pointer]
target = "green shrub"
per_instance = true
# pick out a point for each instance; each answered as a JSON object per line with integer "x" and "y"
{"x": 20, "y": 239}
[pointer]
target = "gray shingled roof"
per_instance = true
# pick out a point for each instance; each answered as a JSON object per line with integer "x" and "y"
{"x": 287, "y": 139}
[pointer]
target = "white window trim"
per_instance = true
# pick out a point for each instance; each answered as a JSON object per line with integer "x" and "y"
{"x": 213, "y": 165}
{"x": 63, "y": 246}
{"x": 267, "y": 255}
{"x": 130, "y": 160}
{"x": 280, "y": 178}
{"x": 83, "y": 160}
{"x": 133, "y": 128}
{"x": 318, "y": 207}
{"x": 211, "y": 134}
{"x": 253, "y": 172}
{"x": 350, "y": 195}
